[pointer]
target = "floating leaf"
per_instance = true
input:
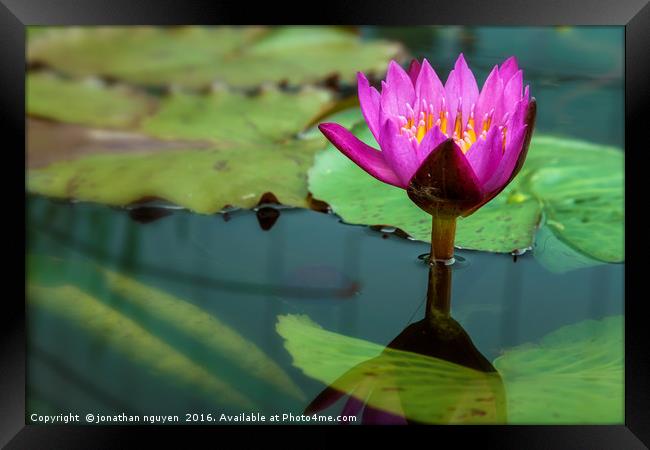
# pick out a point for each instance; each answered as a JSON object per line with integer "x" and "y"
{"x": 229, "y": 149}
{"x": 198, "y": 56}
{"x": 84, "y": 102}
{"x": 228, "y": 117}
{"x": 581, "y": 188}
{"x": 558, "y": 257}
{"x": 573, "y": 376}
{"x": 132, "y": 341}
{"x": 431, "y": 390}
{"x": 576, "y": 185}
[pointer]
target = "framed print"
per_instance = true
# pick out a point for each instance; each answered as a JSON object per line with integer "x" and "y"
{"x": 364, "y": 218}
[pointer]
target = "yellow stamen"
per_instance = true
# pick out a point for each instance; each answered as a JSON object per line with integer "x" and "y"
{"x": 459, "y": 124}
{"x": 443, "y": 121}
{"x": 486, "y": 123}
{"x": 469, "y": 130}
{"x": 420, "y": 133}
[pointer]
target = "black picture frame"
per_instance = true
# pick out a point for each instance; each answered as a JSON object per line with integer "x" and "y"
{"x": 634, "y": 15}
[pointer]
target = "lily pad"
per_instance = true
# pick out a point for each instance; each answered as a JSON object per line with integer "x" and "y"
{"x": 86, "y": 102}
{"x": 573, "y": 376}
{"x": 198, "y": 56}
{"x": 576, "y": 186}
{"x": 232, "y": 149}
{"x": 227, "y": 117}
{"x": 430, "y": 389}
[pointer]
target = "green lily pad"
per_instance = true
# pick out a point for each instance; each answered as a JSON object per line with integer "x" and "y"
{"x": 576, "y": 186}
{"x": 573, "y": 376}
{"x": 198, "y": 56}
{"x": 88, "y": 102}
{"x": 558, "y": 257}
{"x": 581, "y": 188}
{"x": 234, "y": 148}
{"x": 430, "y": 389}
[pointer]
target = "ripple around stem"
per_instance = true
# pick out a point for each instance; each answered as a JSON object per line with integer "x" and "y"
{"x": 457, "y": 262}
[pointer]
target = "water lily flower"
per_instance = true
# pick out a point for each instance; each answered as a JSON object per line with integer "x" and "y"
{"x": 451, "y": 147}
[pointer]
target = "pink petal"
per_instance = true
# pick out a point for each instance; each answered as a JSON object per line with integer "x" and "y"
{"x": 369, "y": 98}
{"x": 398, "y": 152}
{"x": 366, "y": 157}
{"x": 508, "y": 68}
{"x": 512, "y": 90}
{"x": 429, "y": 87}
{"x": 485, "y": 155}
{"x": 461, "y": 84}
{"x": 514, "y": 146}
{"x": 396, "y": 91}
{"x": 431, "y": 140}
{"x": 414, "y": 70}
{"x": 489, "y": 98}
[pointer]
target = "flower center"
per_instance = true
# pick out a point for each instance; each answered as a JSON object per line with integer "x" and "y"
{"x": 419, "y": 121}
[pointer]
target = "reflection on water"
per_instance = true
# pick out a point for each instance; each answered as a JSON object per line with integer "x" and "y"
{"x": 179, "y": 313}
{"x": 430, "y": 373}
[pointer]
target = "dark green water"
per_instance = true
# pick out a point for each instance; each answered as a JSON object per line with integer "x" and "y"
{"x": 350, "y": 280}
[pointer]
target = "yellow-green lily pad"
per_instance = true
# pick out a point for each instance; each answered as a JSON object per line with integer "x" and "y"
{"x": 199, "y": 56}
{"x": 576, "y": 186}
{"x": 573, "y": 376}
{"x": 86, "y": 102}
{"x": 228, "y": 149}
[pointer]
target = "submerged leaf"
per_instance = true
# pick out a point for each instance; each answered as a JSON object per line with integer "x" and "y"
{"x": 200, "y": 326}
{"x": 204, "y": 328}
{"x": 573, "y": 376}
{"x": 132, "y": 341}
{"x": 198, "y": 56}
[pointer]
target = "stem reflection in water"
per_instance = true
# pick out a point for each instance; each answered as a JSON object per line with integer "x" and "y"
{"x": 430, "y": 373}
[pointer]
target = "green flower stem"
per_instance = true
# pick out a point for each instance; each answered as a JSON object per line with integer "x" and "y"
{"x": 443, "y": 233}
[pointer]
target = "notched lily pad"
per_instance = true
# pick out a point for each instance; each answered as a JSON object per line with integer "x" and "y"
{"x": 576, "y": 186}
{"x": 573, "y": 376}
{"x": 198, "y": 56}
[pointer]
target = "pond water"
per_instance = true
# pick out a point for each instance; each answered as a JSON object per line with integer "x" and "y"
{"x": 194, "y": 286}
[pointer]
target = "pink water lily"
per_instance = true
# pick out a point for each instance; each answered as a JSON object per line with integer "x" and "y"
{"x": 452, "y": 147}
